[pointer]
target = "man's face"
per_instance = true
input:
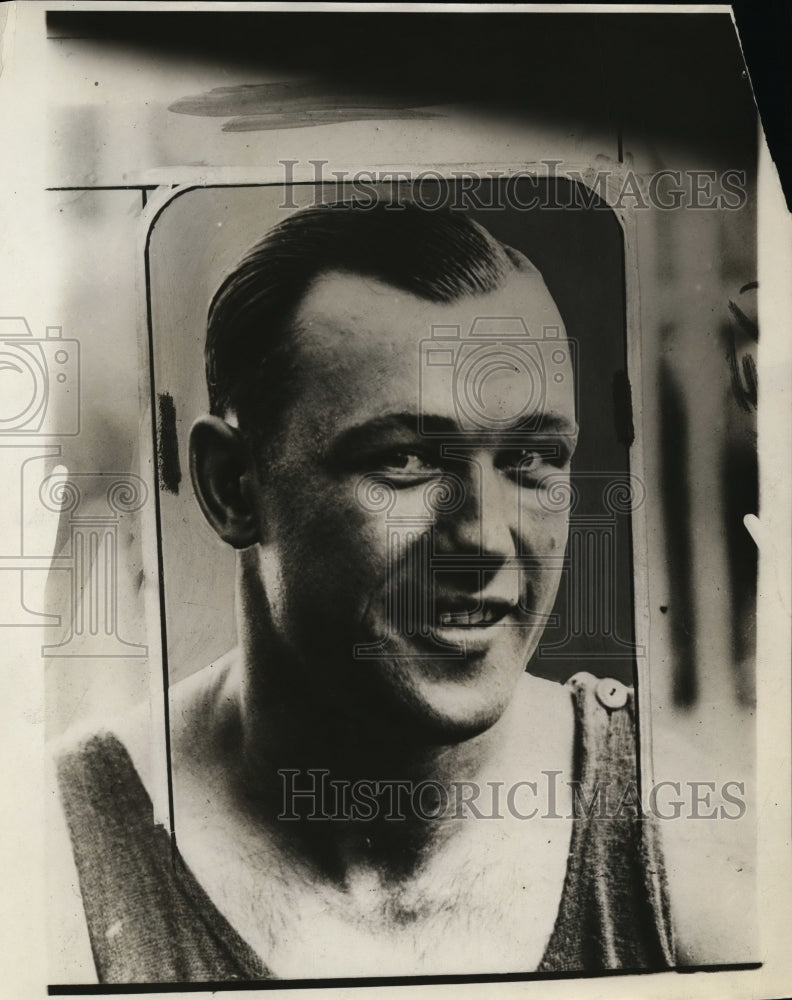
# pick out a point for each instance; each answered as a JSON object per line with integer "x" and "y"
{"x": 412, "y": 523}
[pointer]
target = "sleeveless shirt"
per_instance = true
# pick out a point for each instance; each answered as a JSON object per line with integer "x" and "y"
{"x": 150, "y": 921}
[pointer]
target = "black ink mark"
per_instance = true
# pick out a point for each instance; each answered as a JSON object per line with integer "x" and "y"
{"x": 168, "y": 444}
{"x": 622, "y": 408}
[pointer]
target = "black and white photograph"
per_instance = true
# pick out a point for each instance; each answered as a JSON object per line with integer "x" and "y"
{"x": 397, "y": 539}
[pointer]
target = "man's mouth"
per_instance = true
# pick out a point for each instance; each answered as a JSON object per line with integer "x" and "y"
{"x": 480, "y": 615}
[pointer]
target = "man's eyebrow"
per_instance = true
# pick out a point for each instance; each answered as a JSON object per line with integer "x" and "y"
{"x": 547, "y": 423}
{"x": 434, "y": 425}
{"x": 406, "y": 422}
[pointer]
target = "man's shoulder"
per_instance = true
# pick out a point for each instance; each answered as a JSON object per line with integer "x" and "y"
{"x": 138, "y": 736}
{"x": 543, "y": 715}
{"x": 560, "y": 694}
{"x": 203, "y": 707}
{"x": 108, "y": 771}
{"x": 541, "y": 692}
{"x": 92, "y": 737}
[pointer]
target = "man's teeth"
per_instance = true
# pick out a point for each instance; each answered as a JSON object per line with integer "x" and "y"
{"x": 482, "y": 617}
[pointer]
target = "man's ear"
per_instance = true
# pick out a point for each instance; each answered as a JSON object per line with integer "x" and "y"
{"x": 223, "y": 475}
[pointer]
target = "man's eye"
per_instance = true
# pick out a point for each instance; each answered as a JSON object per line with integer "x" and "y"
{"x": 406, "y": 465}
{"x": 523, "y": 464}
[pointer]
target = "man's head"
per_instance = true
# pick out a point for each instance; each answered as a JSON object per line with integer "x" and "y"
{"x": 405, "y": 410}
{"x": 439, "y": 256}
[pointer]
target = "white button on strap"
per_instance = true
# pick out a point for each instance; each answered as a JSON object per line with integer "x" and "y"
{"x": 611, "y": 693}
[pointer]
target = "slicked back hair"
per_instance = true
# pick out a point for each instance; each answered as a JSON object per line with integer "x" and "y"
{"x": 437, "y": 255}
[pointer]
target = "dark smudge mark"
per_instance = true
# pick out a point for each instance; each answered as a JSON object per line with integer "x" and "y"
{"x": 168, "y": 444}
{"x": 741, "y": 336}
{"x": 307, "y": 119}
{"x": 675, "y": 488}
{"x": 261, "y": 106}
{"x": 740, "y": 485}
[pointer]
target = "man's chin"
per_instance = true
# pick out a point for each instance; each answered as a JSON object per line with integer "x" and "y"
{"x": 407, "y": 690}
{"x": 437, "y": 704}
{"x": 447, "y": 725}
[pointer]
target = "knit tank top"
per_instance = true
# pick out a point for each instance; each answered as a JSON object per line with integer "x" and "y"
{"x": 150, "y": 921}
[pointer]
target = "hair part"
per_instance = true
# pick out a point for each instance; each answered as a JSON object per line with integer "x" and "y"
{"x": 438, "y": 255}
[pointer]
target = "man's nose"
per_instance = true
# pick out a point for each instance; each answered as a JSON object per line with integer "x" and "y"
{"x": 485, "y": 522}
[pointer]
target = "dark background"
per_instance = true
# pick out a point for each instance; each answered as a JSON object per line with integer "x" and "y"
{"x": 580, "y": 252}
{"x": 669, "y": 74}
